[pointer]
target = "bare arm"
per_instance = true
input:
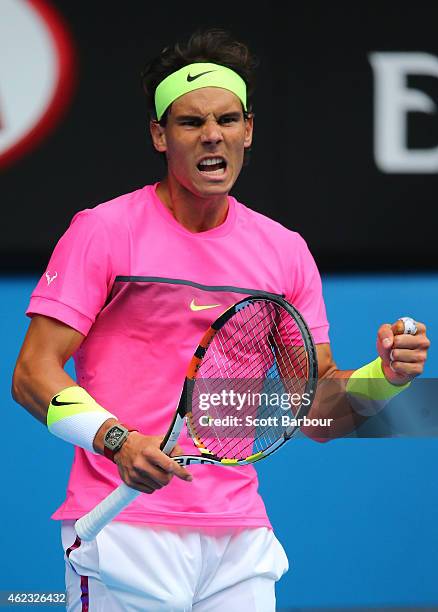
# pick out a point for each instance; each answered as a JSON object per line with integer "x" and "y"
{"x": 39, "y": 372}
{"x": 331, "y": 401}
{"x": 39, "y": 375}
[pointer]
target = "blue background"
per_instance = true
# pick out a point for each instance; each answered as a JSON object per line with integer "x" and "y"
{"x": 357, "y": 517}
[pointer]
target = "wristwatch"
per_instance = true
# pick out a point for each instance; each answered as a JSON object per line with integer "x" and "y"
{"x": 114, "y": 439}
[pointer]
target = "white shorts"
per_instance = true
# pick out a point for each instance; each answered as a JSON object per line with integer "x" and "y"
{"x": 131, "y": 567}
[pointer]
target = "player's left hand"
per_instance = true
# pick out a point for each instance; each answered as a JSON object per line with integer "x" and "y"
{"x": 403, "y": 355}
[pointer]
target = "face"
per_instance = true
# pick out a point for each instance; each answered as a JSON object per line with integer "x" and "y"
{"x": 204, "y": 140}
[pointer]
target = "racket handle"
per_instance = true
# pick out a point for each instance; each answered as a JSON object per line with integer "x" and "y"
{"x": 94, "y": 521}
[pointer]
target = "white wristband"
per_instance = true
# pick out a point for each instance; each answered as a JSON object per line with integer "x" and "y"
{"x": 76, "y": 417}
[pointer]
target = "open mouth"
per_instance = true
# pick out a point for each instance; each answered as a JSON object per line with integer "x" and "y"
{"x": 212, "y": 165}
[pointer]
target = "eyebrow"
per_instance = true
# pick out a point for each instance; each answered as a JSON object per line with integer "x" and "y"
{"x": 233, "y": 114}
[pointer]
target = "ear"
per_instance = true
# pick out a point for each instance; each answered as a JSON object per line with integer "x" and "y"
{"x": 249, "y": 126}
{"x": 158, "y": 134}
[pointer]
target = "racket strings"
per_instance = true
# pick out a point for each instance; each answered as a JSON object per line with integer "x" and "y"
{"x": 225, "y": 354}
{"x": 277, "y": 372}
{"x": 218, "y": 354}
{"x": 260, "y": 350}
{"x": 296, "y": 359}
{"x": 232, "y": 344}
{"x": 258, "y": 328}
{"x": 265, "y": 358}
{"x": 261, "y": 330}
{"x": 264, "y": 438}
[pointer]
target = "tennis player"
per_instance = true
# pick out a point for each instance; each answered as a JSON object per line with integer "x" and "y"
{"x": 130, "y": 288}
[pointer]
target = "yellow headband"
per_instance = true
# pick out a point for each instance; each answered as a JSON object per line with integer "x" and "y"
{"x": 195, "y": 76}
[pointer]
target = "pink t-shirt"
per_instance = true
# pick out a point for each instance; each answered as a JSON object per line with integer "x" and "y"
{"x": 124, "y": 275}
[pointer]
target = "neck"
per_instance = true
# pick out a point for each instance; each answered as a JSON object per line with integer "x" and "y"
{"x": 195, "y": 213}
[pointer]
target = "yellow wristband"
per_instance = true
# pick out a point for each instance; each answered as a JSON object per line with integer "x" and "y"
{"x": 369, "y": 387}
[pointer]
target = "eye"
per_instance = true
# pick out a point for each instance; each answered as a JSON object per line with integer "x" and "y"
{"x": 194, "y": 122}
{"x": 228, "y": 119}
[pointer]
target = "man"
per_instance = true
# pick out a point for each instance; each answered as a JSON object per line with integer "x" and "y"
{"x": 129, "y": 290}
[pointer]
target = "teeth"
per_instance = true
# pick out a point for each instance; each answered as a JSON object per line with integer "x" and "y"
{"x": 212, "y": 161}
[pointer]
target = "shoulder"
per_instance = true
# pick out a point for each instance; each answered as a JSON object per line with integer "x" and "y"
{"x": 284, "y": 247}
{"x": 116, "y": 213}
{"x": 273, "y": 230}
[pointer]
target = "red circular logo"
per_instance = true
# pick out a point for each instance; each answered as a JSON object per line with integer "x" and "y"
{"x": 36, "y": 74}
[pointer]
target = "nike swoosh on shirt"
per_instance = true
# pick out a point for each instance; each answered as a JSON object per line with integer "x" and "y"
{"x": 55, "y": 402}
{"x": 191, "y": 78}
{"x": 195, "y": 307}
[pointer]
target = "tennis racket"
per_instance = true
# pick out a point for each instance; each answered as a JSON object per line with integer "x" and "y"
{"x": 249, "y": 383}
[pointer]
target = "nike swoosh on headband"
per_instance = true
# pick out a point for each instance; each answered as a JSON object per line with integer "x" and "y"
{"x": 191, "y": 78}
{"x": 55, "y": 402}
{"x": 195, "y": 307}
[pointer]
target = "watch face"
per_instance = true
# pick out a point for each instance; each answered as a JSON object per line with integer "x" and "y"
{"x": 113, "y": 436}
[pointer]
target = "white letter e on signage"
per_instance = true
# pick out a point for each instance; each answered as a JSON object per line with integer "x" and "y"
{"x": 393, "y": 100}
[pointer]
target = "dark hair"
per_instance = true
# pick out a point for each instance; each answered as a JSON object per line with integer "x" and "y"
{"x": 213, "y": 45}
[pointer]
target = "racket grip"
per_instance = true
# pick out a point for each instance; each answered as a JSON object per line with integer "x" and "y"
{"x": 94, "y": 521}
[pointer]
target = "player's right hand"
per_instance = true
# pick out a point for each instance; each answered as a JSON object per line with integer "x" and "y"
{"x": 143, "y": 466}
